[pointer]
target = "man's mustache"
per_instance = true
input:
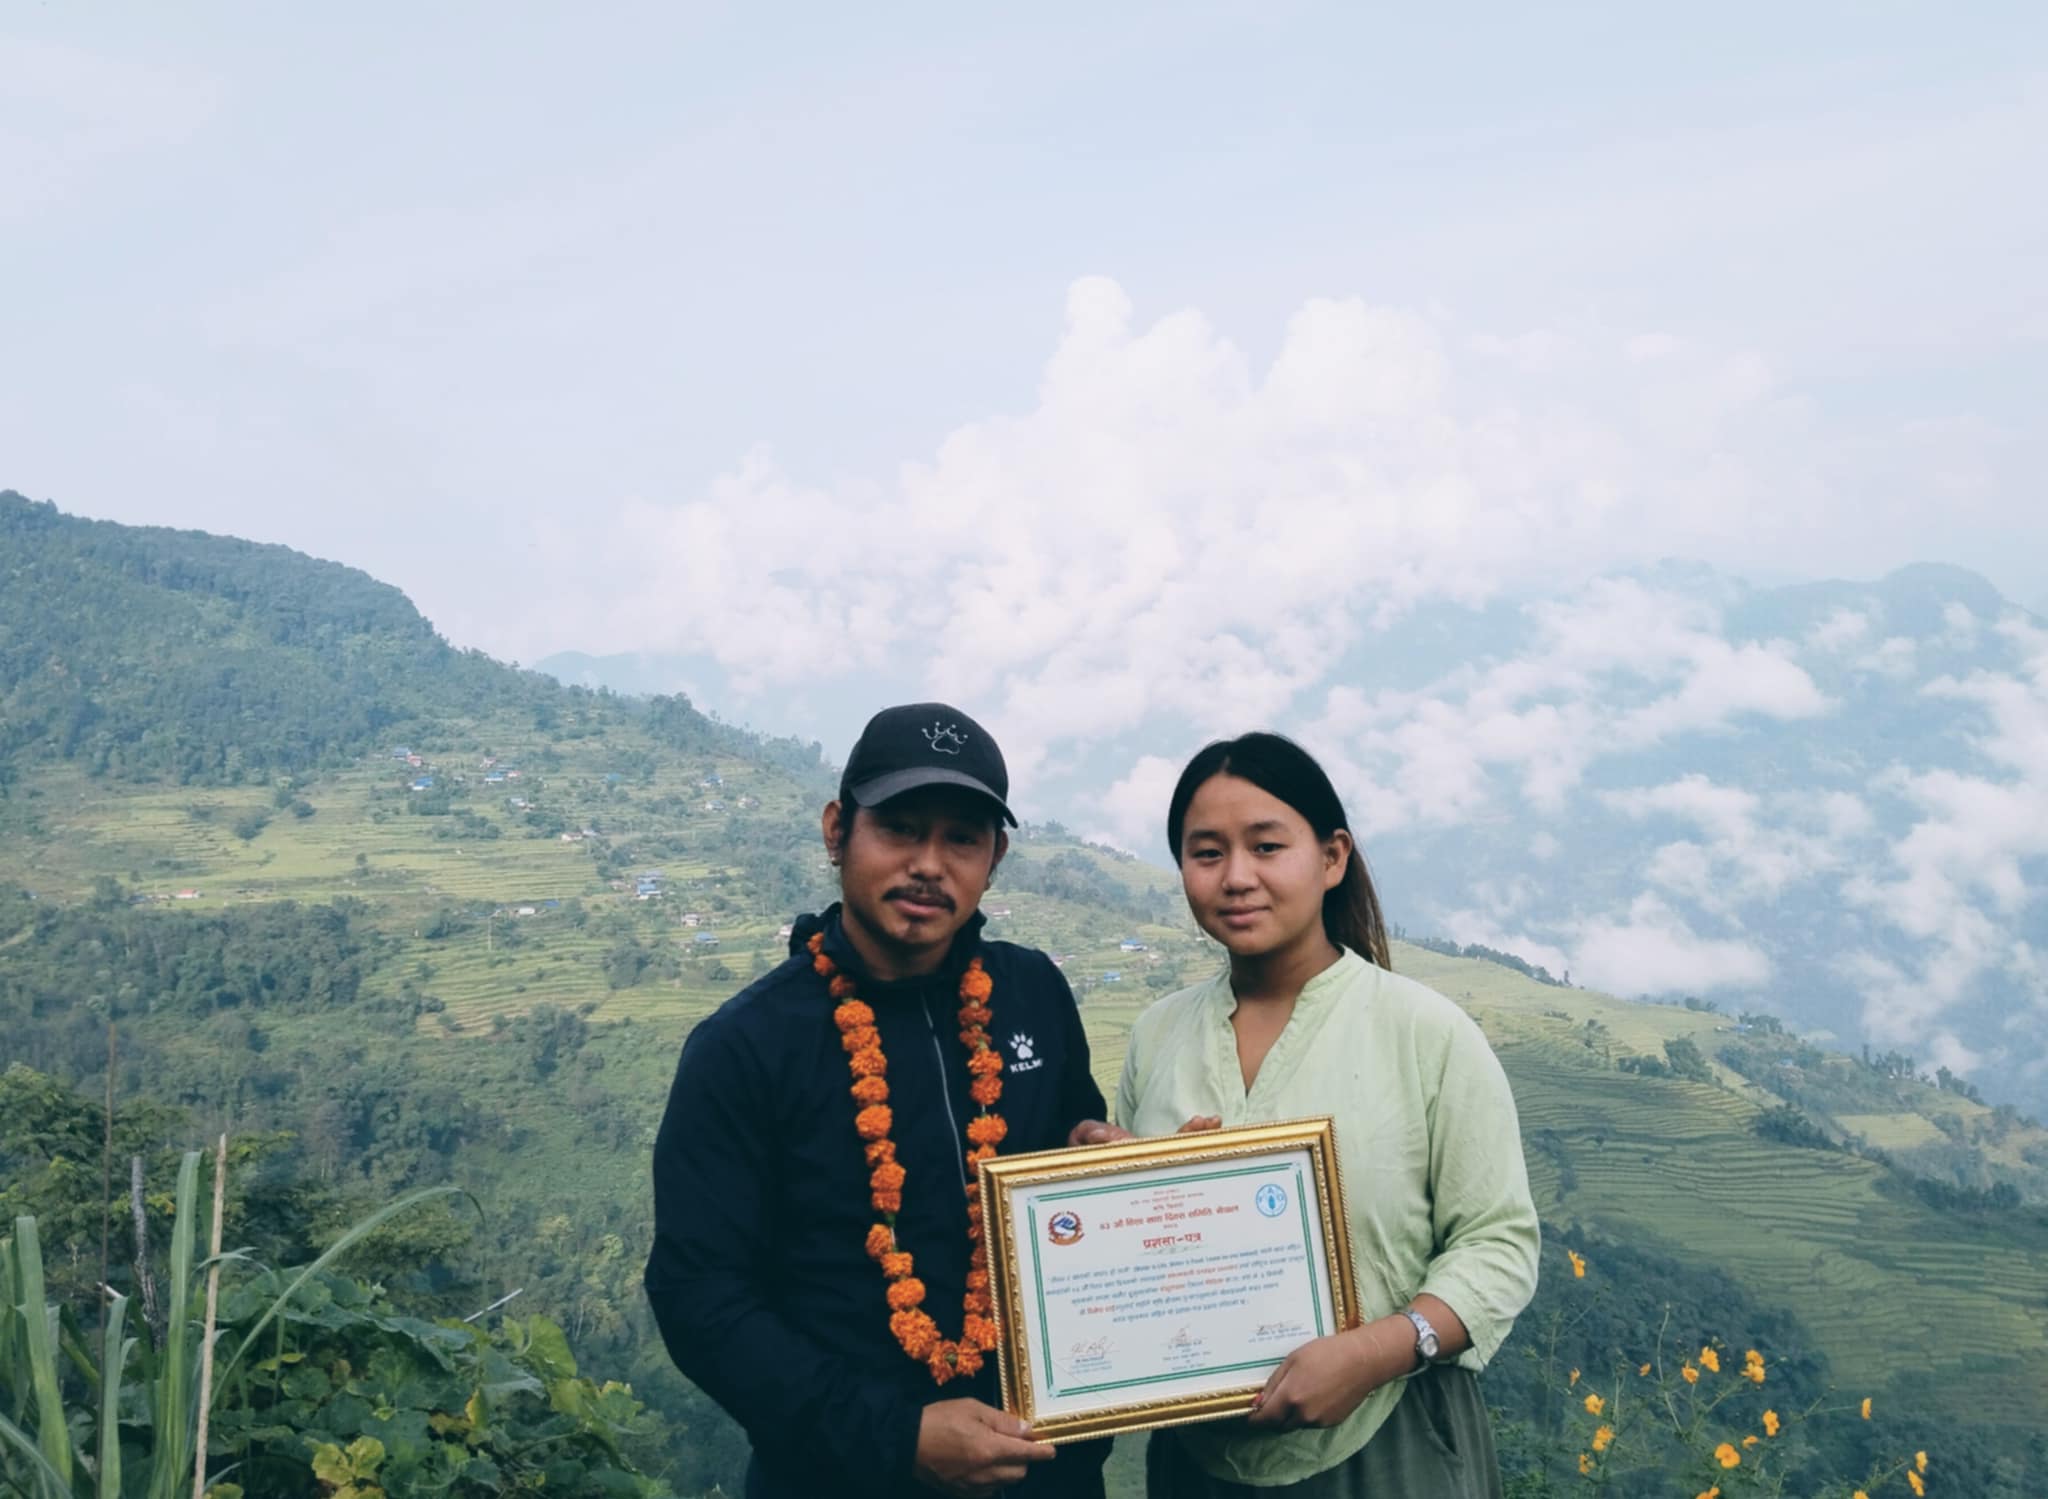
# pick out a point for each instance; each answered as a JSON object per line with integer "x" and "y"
{"x": 923, "y": 895}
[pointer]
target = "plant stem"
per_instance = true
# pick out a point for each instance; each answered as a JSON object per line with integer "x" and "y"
{"x": 220, "y": 1188}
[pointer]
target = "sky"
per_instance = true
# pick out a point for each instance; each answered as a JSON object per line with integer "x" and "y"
{"x": 1132, "y": 374}
{"x": 1053, "y": 357}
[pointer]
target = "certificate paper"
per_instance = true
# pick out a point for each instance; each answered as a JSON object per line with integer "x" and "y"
{"x": 1153, "y": 1282}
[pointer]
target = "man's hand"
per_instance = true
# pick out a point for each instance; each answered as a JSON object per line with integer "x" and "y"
{"x": 1201, "y": 1122}
{"x": 1323, "y": 1381}
{"x": 970, "y": 1450}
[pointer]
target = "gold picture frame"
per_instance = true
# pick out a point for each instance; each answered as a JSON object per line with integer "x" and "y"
{"x": 1205, "y": 1234}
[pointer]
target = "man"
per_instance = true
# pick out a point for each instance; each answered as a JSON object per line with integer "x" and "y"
{"x": 816, "y": 1269}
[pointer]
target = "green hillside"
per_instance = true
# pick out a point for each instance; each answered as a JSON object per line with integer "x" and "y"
{"x": 486, "y": 979}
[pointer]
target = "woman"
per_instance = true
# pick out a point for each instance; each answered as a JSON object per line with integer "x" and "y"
{"x": 1310, "y": 1019}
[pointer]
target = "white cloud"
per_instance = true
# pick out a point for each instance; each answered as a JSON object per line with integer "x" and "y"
{"x": 1172, "y": 531}
{"x": 1133, "y": 810}
{"x": 1967, "y": 872}
{"x": 1652, "y": 950}
{"x": 1842, "y": 628}
{"x": 1959, "y": 626}
{"x": 1745, "y": 855}
{"x": 1895, "y": 657}
{"x": 1614, "y": 667}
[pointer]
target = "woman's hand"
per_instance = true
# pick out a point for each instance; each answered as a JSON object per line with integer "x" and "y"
{"x": 1100, "y": 1132}
{"x": 1323, "y": 1381}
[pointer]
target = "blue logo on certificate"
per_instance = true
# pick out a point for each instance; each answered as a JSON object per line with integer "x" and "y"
{"x": 1271, "y": 1200}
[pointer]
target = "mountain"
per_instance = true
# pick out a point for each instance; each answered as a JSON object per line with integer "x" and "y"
{"x": 1827, "y": 802}
{"x": 461, "y": 980}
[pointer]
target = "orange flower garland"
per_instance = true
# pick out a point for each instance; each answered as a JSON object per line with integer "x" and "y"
{"x": 913, "y": 1326}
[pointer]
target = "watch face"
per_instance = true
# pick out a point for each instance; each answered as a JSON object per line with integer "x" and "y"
{"x": 1426, "y": 1342}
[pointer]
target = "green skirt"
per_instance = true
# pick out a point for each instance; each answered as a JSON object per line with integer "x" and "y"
{"x": 1437, "y": 1444}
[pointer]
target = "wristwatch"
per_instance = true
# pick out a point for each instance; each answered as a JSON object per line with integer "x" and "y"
{"x": 1427, "y": 1345}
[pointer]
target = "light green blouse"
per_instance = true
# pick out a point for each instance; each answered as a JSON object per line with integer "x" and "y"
{"x": 1435, "y": 1188}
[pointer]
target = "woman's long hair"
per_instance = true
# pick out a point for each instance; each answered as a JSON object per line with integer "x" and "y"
{"x": 1281, "y": 768}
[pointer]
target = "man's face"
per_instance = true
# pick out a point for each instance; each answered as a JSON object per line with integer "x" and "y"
{"x": 911, "y": 872}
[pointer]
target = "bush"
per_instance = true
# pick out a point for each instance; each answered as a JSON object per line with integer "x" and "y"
{"x": 328, "y": 1390}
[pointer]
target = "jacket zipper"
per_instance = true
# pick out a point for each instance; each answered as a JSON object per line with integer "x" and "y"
{"x": 946, "y": 1091}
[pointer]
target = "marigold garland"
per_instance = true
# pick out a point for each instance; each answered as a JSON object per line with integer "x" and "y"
{"x": 912, "y": 1326}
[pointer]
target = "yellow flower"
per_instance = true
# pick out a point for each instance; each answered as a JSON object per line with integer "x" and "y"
{"x": 1770, "y": 1423}
{"x": 1920, "y": 1462}
{"x": 1866, "y": 1407}
{"x": 1644, "y": 1371}
{"x": 1578, "y": 1264}
{"x": 1574, "y": 1379}
{"x": 1751, "y": 1440}
{"x": 1602, "y": 1438}
{"x": 1727, "y": 1456}
{"x": 1585, "y": 1464}
{"x": 1595, "y": 1405}
{"x": 1710, "y": 1361}
{"x": 1712, "y": 1493}
{"x": 1859, "y": 1494}
{"x": 1753, "y": 1366}
{"x": 1690, "y": 1374}
{"x": 1914, "y": 1479}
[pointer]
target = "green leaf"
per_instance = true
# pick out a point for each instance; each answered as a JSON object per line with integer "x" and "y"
{"x": 48, "y": 1480}
{"x": 113, "y": 1361}
{"x": 548, "y": 1349}
{"x": 54, "y": 1437}
{"x": 365, "y": 1456}
{"x": 329, "y": 1464}
{"x": 307, "y": 1383}
{"x": 356, "y": 1233}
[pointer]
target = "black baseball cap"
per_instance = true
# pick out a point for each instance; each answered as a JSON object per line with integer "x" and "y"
{"x": 924, "y": 744}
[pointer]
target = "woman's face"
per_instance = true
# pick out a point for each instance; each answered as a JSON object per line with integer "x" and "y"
{"x": 1253, "y": 868}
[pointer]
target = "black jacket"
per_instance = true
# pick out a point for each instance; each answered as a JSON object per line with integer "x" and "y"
{"x": 759, "y": 1276}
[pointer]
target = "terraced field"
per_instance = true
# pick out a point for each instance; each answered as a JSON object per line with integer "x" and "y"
{"x": 1964, "y": 1312}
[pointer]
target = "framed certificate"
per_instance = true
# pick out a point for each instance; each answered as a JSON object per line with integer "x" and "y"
{"x": 1160, "y": 1281}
